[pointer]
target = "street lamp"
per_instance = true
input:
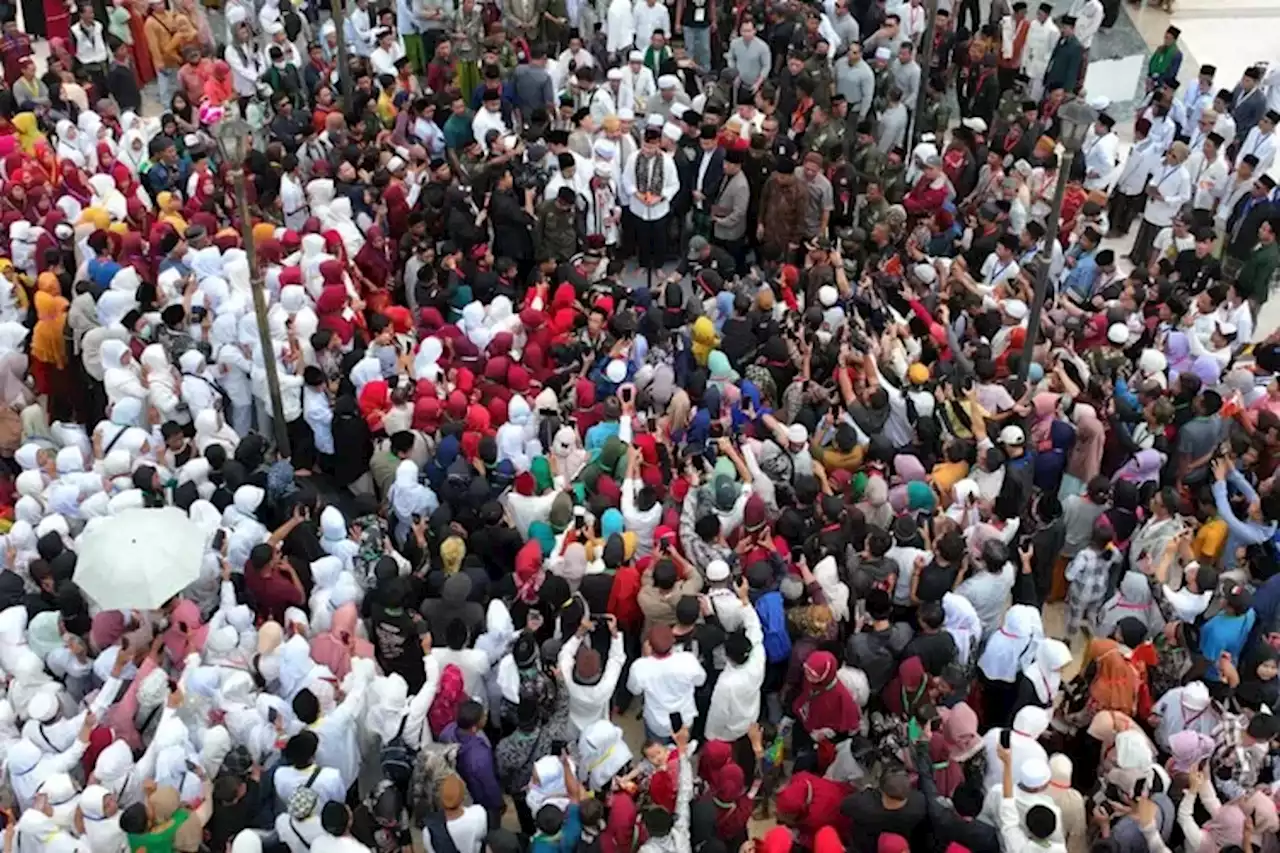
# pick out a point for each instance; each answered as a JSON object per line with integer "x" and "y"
{"x": 1075, "y": 117}
{"x": 232, "y": 135}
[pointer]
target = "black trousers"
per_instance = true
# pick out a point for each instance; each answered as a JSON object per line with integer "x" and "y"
{"x": 736, "y": 248}
{"x": 651, "y": 241}
{"x": 1122, "y": 210}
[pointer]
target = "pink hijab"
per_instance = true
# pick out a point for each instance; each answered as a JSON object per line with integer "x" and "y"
{"x": 186, "y": 633}
{"x": 336, "y": 648}
{"x": 1046, "y": 404}
{"x": 1226, "y": 828}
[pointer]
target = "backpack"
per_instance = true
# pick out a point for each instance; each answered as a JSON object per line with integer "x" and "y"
{"x": 302, "y": 802}
{"x": 397, "y": 759}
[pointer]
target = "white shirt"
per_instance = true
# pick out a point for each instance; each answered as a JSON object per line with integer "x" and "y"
{"x": 667, "y": 684}
{"x": 1261, "y": 146}
{"x": 326, "y": 843}
{"x": 486, "y": 121}
{"x": 1143, "y": 157}
{"x": 299, "y": 835}
{"x": 1100, "y": 160}
{"x": 995, "y": 271}
{"x": 620, "y": 26}
{"x": 91, "y": 47}
{"x": 1207, "y": 180}
{"x": 384, "y": 61}
{"x": 1089, "y": 15}
{"x": 640, "y": 83}
{"x": 670, "y": 186}
{"x": 649, "y": 18}
{"x": 473, "y": 663}
{"x": 328, "y": 784}
{"x": 467, "y": 830}
{"x": 1042, "y": 38}
{"x": 589, "y": 703}
{"x": 1174, "y": 185}
{"x": 735, "y": 701}
{"x": 246, "y": 68}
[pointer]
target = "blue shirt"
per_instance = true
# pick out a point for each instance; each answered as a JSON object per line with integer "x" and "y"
{"x": 1080, "y": 278}
{"x": 564, "y": 841}
{"x": 101, "y": 272}
{"x": 1224, "y": 633}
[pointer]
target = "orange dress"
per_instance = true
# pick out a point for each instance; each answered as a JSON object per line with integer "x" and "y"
{"x": 142, "y": 64}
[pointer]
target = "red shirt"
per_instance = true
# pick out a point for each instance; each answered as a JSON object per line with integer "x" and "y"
{"x": 273, "y": 592}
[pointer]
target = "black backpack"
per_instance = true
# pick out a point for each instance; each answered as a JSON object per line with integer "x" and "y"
{"x": 397, "y": 759}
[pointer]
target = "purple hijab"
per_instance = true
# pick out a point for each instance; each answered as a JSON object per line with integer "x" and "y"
{"x": 1178, "y": 352}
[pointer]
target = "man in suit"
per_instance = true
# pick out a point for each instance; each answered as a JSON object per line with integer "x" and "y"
{"x": 729, "y": 203}
{"x": 1248, "y": 103}
{"x": 1064, "y": 62}
{"x": 708, "y": 167}
{"x": 1246, "y": 219}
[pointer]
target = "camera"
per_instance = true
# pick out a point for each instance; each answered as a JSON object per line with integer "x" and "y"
{"x": 527, "y": 175}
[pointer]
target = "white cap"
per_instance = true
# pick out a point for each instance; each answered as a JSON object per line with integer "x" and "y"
{"x": 395, "y": 164}
{"x": 635, "y": 56}
{"x": 273, "y": 28}
{"x": 925, "y": 273}
{"x": 668, "y": 81}
{"x": 672, "y": 132}
{"x": 975, "y": 124}
{"x": 827, "y": 295}
{"x": 603, "y": 169}
{"x": 236, "y": 15}
{"x": 882, "y": 53}
{"x": 1034, "y": 772}
{"x": 626, "y": 114}
{"x": 1015, "y": 308}
{"x": 1099, "y": 102}
{"x": 797, "y": 434}
{"x": 614, "y": 74}
{"x": 717, "y": 570}
{"x": 616, "y": 371}
{"x": 1118, "y": 334}
{"x": 654, "y": 120}
{"x": 1012, "y": 435}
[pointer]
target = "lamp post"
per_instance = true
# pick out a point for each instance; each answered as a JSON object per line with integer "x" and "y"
{"x": 1075, "y": 117}
{"x": 338, "y": 9}
{"x": 924, "y": 58}
{"x": 232, "y": 135}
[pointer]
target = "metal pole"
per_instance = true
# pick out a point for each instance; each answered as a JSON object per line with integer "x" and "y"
{"x": 338, "y": 8}
{"x": 260, "y": 310}
{"x": 924, "y": 58}
{"x": 1045, "y": 260}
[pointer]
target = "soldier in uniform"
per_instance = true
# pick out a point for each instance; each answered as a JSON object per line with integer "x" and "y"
{"x": 839, "y": 119}
{"x": 871, "y": 208}
{"x": 867, "y": 160}
{"x": 819, "y": 69}
{"x": 894, "y": 176}
{"x": 936, "y": 114}
{"x": 822, "y": 131}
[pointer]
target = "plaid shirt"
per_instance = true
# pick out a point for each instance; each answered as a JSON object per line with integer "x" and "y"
{"x": 1242, "y": 760}
{"x": 1089, "y": 576}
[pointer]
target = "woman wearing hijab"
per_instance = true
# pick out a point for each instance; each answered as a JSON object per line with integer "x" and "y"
{"x": 1132, "y": 601}
{"x": 1085, "y": 458}
{"x": 908, "y": 690}
{"x": 1184, "y": 709}
{"x": 825, "y": 708}
{"x": 1115, "y": 683}
{"x": 339, "y": 645}
{"x": 376, "y": 270}
{"x": 98, "y": 820}
{"x": 49, "y": 351}
{"x": 1038, "y": 681}
{"x": 734, "y": 804}
{"x": 1011, "y": 648}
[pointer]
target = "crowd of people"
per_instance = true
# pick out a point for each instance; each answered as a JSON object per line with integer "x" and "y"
{"x": 659, "y": 366}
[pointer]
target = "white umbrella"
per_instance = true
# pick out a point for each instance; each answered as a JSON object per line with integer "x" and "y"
{"x": 139, "y": 559}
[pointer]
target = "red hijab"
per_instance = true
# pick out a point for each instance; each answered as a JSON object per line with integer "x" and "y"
{"x": 825, "y": 703}
{"x": 905, "y": 691}
{"x": 733, "y": 805}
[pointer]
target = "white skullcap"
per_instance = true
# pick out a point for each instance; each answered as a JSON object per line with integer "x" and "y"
{"x": 246, "y": 841}
{"x": 614, "y": 74}
{"x": 797, "y": 434}
{"x": 1118, "y": 334}
{"x": 616, "y": 371}
{"x": 1015, "y": 308}
{"x": 717, "y": 570}
{"x": 672, "y": 132}
{"x": 43, "y": 707}
{"x": 635, "y": 56}
{"x": 236, "y": 15}
{"x": 273, "y": 28}
{"x": 925, "y": 273}
{"x": 654, "y": 120}
{"x": 828, "y": 295}
{"x": 395, "y": 164}
{"x": 603, "y": 169}
{"x": 668, "y": 81}
{"x": 1099, "y": 102}
{"x": 626, "y": 114}
{"x": 1195, "y": 696}
{"x": 1034, "y": 772}
{"x": 975, "y": 124}
{"x": 928, "y": 137}
{"x": 882, "y": 53}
